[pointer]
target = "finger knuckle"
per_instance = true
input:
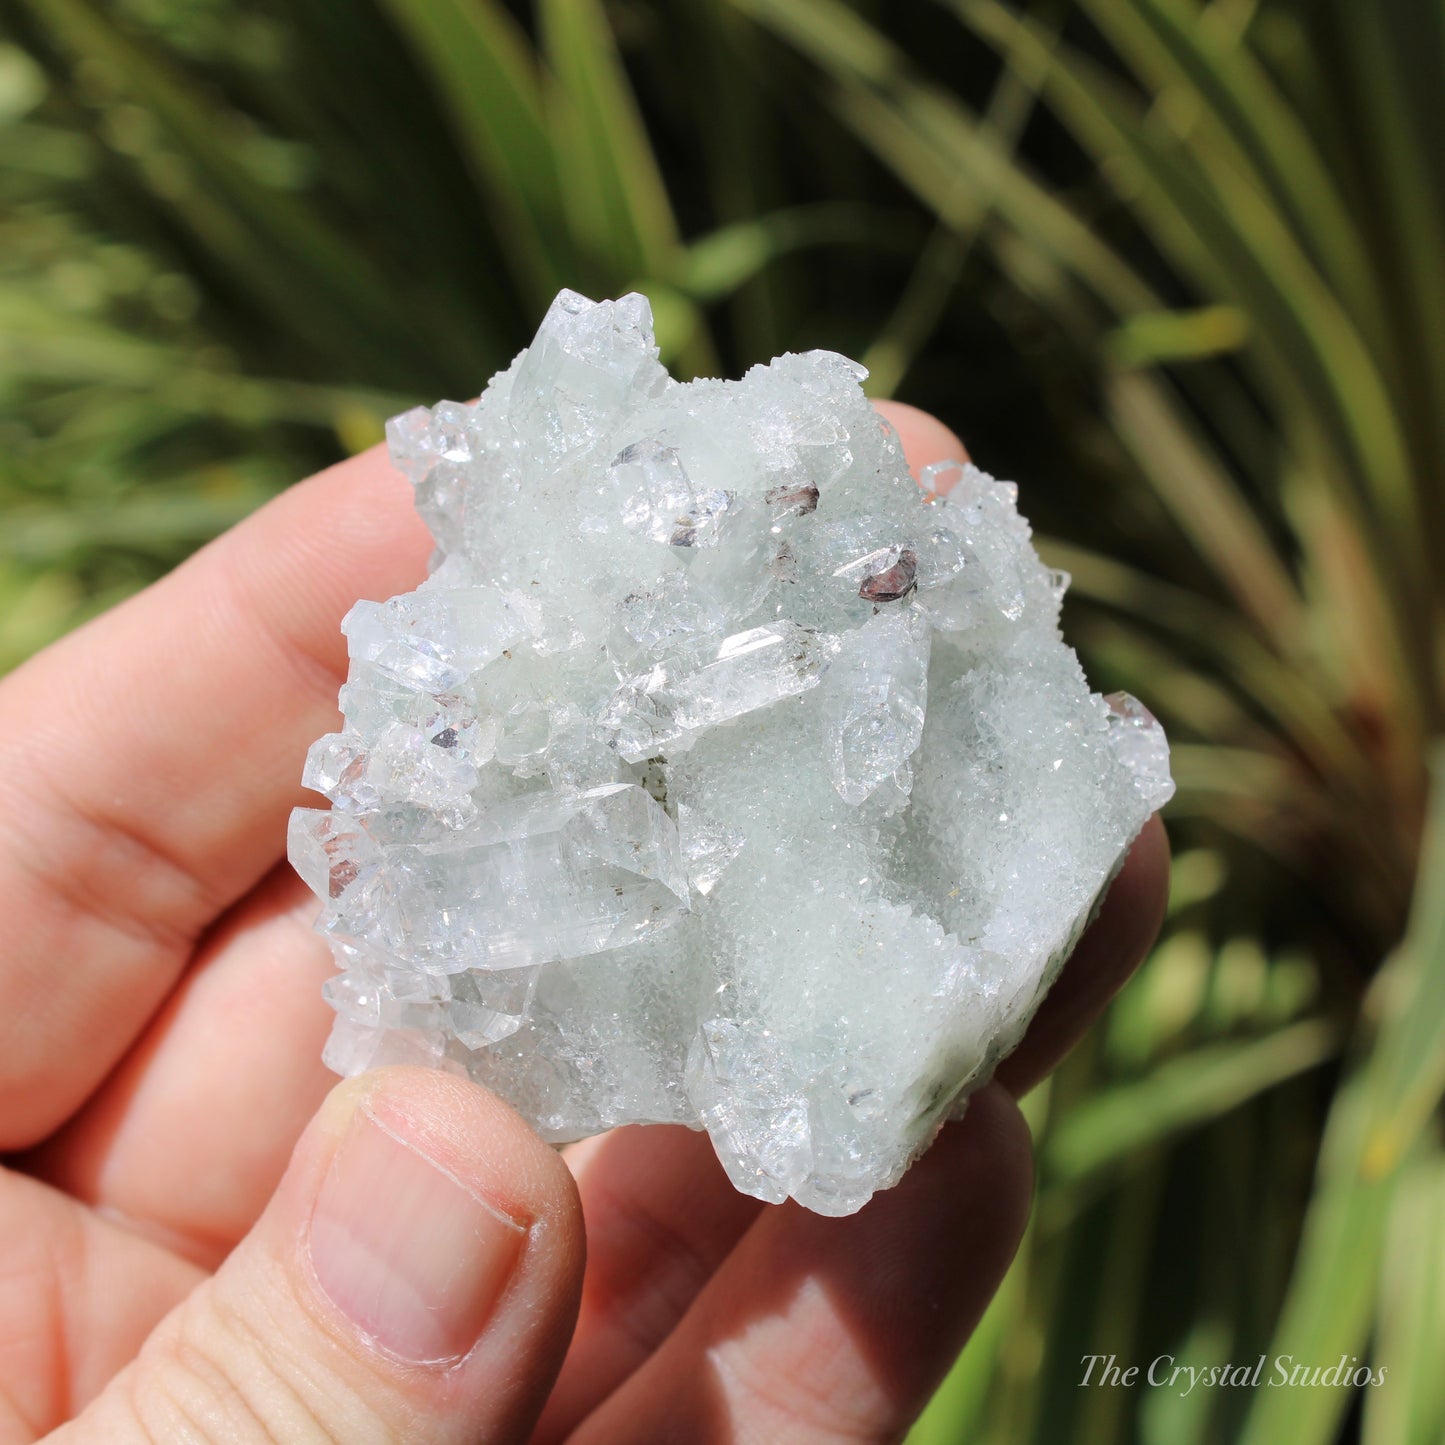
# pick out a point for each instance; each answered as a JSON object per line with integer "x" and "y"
{"x": 226, "y": 1374}
{"x": 792, "y": 1405}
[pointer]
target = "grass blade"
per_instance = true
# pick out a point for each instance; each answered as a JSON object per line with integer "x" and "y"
{"x": 1394, "y": 1086}
{"x": 713, "y": 266}
{"x": 486, "y": 71}
{"x": 614, "y": 194}
{"x": 1409, "y": 1406}
{"x": 1208, "y": 506}
{"x": 940, "y": 261}
{"x": 1229, "y": 111}
{"x": 1182, "y": 1093}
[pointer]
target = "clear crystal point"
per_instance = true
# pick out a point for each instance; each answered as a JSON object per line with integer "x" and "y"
{"x": 1141, "y": 746}
{"x": 875, "y": 701}
{"x": 683, "y": 695}
{"x": 543, "y": 877}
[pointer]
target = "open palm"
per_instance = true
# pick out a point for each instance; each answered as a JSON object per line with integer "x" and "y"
{"x": 160, "y": 1031}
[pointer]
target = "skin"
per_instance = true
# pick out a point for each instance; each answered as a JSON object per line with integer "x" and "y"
{"x": 166, "y": 1123}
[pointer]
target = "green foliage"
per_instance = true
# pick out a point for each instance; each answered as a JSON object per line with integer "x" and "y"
{"x": 1179, "y": 258}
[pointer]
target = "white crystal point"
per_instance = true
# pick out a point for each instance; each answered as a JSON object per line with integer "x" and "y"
{"x": 688, "y": 692}
{"x": 588, "y": 361}
{"x": 719, "y": 774}
{"x": 659, "y": 500}
{"x": 876, "y": 693}
{"x": 532, "y": 880}
{"x": 435, "y": 640}
{"x": 1141, "y": 746}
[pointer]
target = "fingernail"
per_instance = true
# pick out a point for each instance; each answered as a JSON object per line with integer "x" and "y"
{"x": 411, "y": 1256}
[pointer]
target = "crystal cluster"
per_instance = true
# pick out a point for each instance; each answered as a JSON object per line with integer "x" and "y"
{"x": 718, "y": 774}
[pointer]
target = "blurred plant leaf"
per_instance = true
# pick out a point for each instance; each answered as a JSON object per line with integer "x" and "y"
{"x": 22, "y": 84}
{"x": 613, "y": 194}
{"x": 1148, "y": 338}
{"x": 1220, "y": 230}
{"x": 1208, "y": 506}
{"x": 1408, "y": 1406}
{"x": 487, "y": 72}
{"x": 715, "y": 265}
{"x": 1221, "y": 102}
{"x": 614, "y": 197}
{"x": 144, "y": 522}
{"x": 939, "y": 149}
{"x": 1183, "y": 1092}
{"x": 1395, "y": 1082}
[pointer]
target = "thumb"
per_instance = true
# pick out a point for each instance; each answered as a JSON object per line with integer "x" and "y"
{"x": 414, "y": 1278}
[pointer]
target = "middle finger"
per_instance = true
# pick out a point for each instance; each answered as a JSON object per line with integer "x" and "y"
{"x": 661, "y": 1216}
{"x": 191, "y": 1132}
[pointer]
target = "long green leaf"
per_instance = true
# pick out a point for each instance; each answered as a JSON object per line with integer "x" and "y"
{"x": 941, "y": 260}
{"x": 1180, "y": 1094}
{"x": 1407, "y": 1407}
{"x": 486, "y": 71}
{"x": 1208, "y": 506}
{"x": 1394, "y": 1086}
{"x": 614, "y": 194}
{"x": 1404, "y": 148}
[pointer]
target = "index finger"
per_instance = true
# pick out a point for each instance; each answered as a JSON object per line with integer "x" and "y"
{"x": 148, "y": 761}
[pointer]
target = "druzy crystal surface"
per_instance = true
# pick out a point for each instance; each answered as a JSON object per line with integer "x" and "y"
{"x": 719, "y": 774}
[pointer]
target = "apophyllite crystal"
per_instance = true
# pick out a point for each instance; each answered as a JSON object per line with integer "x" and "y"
{"x": 718, "y": 774}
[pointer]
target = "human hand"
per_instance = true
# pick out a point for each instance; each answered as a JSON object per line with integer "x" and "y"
{"x": 416, "y": 1271}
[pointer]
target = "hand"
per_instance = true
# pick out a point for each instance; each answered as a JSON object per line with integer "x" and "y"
{"x": 415, "y": 1271}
